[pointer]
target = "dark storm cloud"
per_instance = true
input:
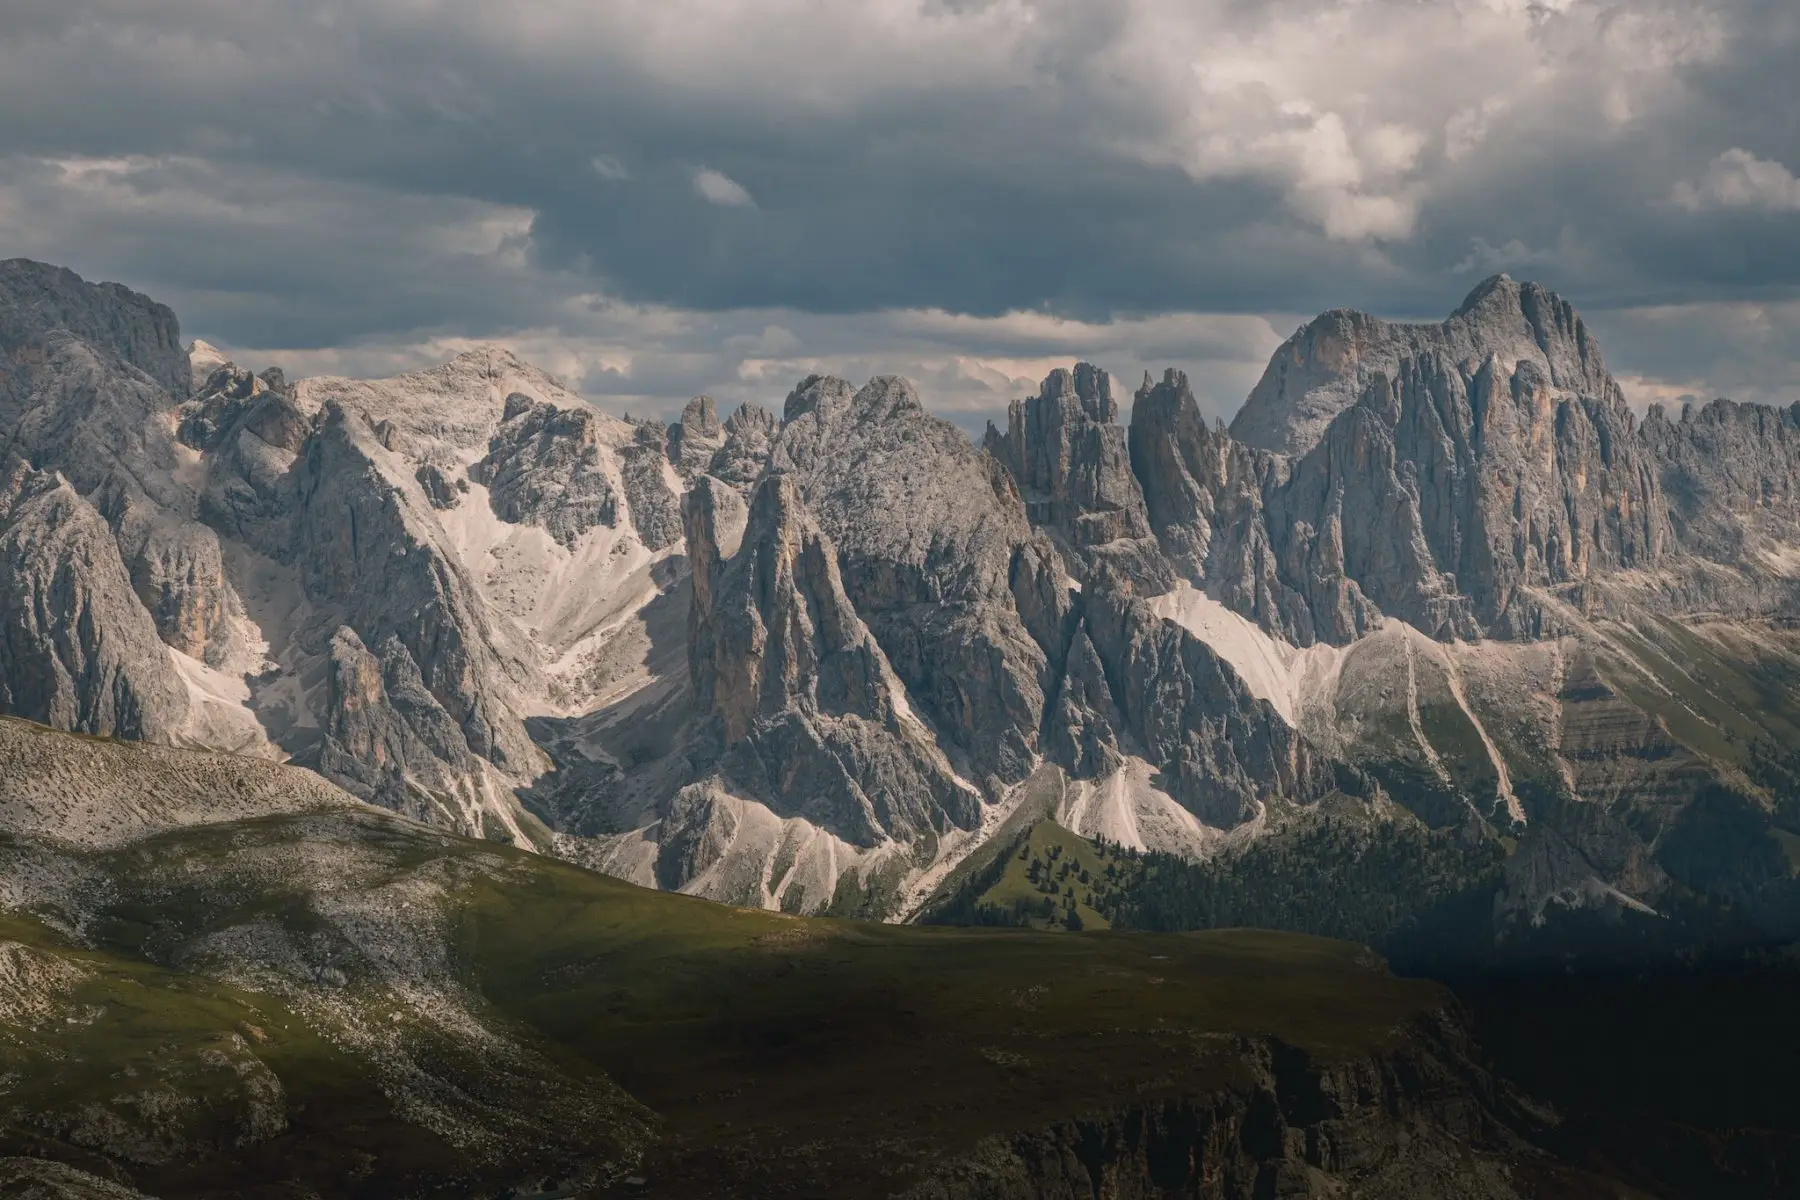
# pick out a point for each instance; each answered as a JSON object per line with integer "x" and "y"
{"x": 355, "y": 179}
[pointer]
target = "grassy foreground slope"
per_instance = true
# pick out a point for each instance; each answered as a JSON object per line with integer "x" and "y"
{"x": 332, "y": 1001}
{"x": 355, "y": 1066}
{"x": 870, "y": 1050}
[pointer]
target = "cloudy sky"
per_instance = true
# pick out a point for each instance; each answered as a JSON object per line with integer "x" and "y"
{"x": 655, "y": 198}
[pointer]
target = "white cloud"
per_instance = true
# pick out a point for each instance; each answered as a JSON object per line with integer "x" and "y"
{"x": 609, "y": 168}
{"x": 722, "y": 189}
{"x": 1739, "y": 179}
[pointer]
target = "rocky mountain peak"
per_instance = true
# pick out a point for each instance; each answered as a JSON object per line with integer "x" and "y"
{"x": 1326, "y": 367}
{"x": 822, "y": 394}
{"x": 697, "y": 437}
{"x": 37, "y": 300}
{"x": 1088, "y": 385}
{"x": 1066, "y": 453}
{"x": 1526, "y": 322}
{"x": 811, "y": 712}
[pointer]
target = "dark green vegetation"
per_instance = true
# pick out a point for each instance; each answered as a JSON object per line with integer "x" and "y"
{"x": 1396, "y": 885}
{"x": 1047, "y": 878}
{"x": 195, "y": 1080}
{"x": 846, "y": 1055}
{"x": 760, "y": 1052}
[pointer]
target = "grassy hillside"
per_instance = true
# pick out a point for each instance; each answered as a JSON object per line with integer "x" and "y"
{"x": 871, "y": 1050}
{"x": 1051, "y": 873}
{"x": 365, "y": 1007}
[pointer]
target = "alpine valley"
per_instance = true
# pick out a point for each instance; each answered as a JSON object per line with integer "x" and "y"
{"x": 353, "y": 726}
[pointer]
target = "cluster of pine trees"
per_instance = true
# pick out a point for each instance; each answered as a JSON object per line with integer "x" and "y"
{"x": 1394, "y": 887}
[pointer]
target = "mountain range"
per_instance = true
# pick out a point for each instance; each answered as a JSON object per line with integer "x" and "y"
{"x": 1435, "y": 581}
{"x": 327, "y": 706}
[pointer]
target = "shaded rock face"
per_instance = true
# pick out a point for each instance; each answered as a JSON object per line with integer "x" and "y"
{"x": 77, "y": 651}
{"x": 812, "y": 717}
{"x": 36, "y": 298}
{"x": 1447, "y": 492}
{"x": 91, "y": 400}
{"x": 543, "y": 468}
{"x": 1067, "y": 453}
{"x": 1083, "y": 723}
{"x": 1327, "y": 365}
{"x": 926, "y": 544}
{"x": 361, "y": 548}
{"x": 387, "y": 739}
{"x": 439, "y": 488}
{"x": 250, "y": 483}
{"x": 1209, "y": 499}
{"x": 696, "y": 437}
{"x": 655, "y": 510}
{"x": 749, "y": 436}
{"x": 1730, "y": 475}
{"x": 178, "y": 571}
{"x": 217, "y": 400}
{"x": 1222, "y": 751}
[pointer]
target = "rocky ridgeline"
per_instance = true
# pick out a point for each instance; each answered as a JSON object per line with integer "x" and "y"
{"x": 810, "y": 714}
{"x": 462, "y": 593}
{"x": 1444, "y": 475}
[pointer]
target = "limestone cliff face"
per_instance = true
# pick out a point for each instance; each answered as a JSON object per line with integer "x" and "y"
{"x": 1209, "y": 499}
{"x": 364, "y": 548}
{"x": 695, "y": 438}
{"x": 1463, "y": 467}
{"x": 749, "y": 434}
{"x": 131, "y": 329}
{"x": 1223, "y": 752}
{"x": 1325, "y": 367}
{"x": 77, "y": 649}
{"x": 812, "y": 717}
{"x": 96, "y": 372}
{"x": 1730, "y": 475}
{"x": 543, "y": 468}
{"x": 388, "y": 739}
{"x": 926, "y": 544}
{"x": 1067, "y": 453}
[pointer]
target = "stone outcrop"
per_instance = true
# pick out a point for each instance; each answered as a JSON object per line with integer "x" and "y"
{"x": 387, "y": 739}
{"x": 811, "y": 715}
{"x": 78, "y": 651}
{"x": 1327, "y": 365}
{"x": 249, "y": 493}
{"x": 1067, "y": 452}
{"x": 749, "y": 436}
{"x": 364, "y": 549}
{"x": 926, "y": 544}
{"x": 655, "y": 510}
{"x": 543, "y": 468}
{"x": 695, "y": 438}
{"x": 37, "y": 299}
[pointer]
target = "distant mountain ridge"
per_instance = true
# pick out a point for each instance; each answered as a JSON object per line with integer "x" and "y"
{"x": 1437, "y": 576}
